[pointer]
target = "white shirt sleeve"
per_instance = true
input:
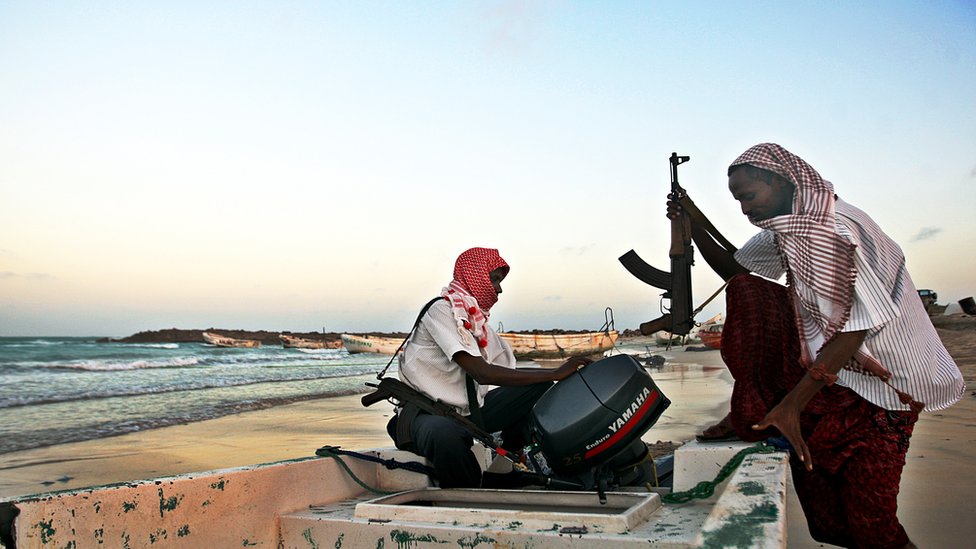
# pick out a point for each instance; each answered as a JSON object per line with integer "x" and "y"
{"x": 443, "y": 328}
{"x": 760, "y": 255}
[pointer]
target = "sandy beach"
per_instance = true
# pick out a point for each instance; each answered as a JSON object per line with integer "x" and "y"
{"x": 938, "y": 481}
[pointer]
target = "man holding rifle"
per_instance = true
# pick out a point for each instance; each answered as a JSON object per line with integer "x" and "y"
{"x": 840, "y": 361}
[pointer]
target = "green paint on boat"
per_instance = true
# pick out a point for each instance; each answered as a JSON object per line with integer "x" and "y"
{"x": 405, "y": 539}
{"x": 158, "y": 535}
{"x": 742, "y": 530}
{"x": 470, "y": 543}
{"x": 168, "y": 504}
{"x": 183, "y": 531}
{"x": 128, "y": 506}
{"x": 752, "y": 488}
{"x": 338, "y": 543}
{"x": 47, "y": 530}
{"x": 307, "y": 534}
{"x": 219, "y": 485}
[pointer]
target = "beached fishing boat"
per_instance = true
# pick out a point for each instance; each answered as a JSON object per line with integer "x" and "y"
{"x": 295, "y": 342}
{"x": 711, "y": 335}
{"x": 664, "y": 337}
{"x": 370, "y": 344}
{"x": 224, "y": 341}
{"x": 314, "y": 502}
{"x": 533, "y": 346}
{"x": 930, "y": 302}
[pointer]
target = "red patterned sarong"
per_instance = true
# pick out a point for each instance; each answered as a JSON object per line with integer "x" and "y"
{"x": 851, "y": 496}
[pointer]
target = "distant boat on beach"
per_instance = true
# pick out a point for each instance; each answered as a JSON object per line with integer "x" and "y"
{"x": 224, "y": 341}
{"x": 711, "y": 335}
{"x": 295, "y": 342}
{"x": 665, "y": 337}
{"x": 929, "y": 299}
{"x": 370, "y": 344}
{"x": 552, "y": 345}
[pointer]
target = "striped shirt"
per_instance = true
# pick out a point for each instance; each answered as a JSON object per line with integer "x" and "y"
{"x": 426, "y": 363}
{"x": 900, "y": 334}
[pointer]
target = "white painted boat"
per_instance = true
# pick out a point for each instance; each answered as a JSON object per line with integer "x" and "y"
{"x": 664, "y": 337}
{"x": 531, "y": 346}
{"x": 314, "y": 502}
{"x": 370, "y": 344}
{"x": 224, "y": 341}
{"x": 295, "y": 342}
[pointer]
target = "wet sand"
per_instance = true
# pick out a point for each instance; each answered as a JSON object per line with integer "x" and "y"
{"x": 934, "y": 505}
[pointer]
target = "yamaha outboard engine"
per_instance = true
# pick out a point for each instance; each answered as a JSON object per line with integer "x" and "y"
{"x": 589, "y": 425}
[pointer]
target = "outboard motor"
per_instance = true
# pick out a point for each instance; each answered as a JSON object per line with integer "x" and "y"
{"x": 589, "y": 425}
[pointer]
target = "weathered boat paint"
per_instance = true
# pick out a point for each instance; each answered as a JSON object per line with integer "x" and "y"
{"x": 370, "y": 344}
{"x": 313, "y": 503}
{"x": 554, "y": 346}
{"x": 224, "y": 341}
{"x": 295, "y": 342}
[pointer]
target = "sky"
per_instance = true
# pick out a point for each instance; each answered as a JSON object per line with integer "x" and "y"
{"x": 311, "y": 166}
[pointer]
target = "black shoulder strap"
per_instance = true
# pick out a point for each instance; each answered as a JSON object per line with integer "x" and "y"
{"x": 423, "y": 311}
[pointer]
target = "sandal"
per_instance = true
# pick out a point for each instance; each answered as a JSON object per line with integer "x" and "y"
{"x": 720, "y": 432}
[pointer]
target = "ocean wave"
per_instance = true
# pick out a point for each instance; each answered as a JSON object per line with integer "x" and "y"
{"x": 115, "y": 366}
{"x": 21, "y": 400}
{"x": 156, "y": 345}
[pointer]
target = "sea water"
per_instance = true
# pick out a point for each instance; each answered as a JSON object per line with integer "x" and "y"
{"x": 55, "y": 390}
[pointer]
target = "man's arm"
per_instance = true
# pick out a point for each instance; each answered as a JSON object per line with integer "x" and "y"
{"x": 785, "y": 416}
{"x": 720, "y": 259}
{"x": 486, "y": 373}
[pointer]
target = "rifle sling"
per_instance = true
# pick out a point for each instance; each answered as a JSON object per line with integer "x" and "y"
{"x": 699, "y": 218}
{"x": 473, "y": 406}
{"x": 423, "y": 311}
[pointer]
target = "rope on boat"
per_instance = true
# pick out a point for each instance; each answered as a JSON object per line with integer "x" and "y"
{"x": 705, "y": 488}
{"x": 336, "y": 453}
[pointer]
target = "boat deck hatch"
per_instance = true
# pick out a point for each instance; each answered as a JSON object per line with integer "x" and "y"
{"x": 514, "y": 508}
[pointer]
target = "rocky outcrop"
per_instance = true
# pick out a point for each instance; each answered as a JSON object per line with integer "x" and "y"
{"x": 176, "y": 335}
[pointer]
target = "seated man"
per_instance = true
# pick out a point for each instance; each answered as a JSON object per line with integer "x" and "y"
{"x": 451, "y": 343}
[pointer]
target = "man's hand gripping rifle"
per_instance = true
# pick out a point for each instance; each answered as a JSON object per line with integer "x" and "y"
{"x": 676, "y": 284}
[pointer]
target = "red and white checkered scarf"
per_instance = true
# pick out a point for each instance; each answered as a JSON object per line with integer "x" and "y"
{"x": 471, "y": 293}
{"x": 816, "y": 256}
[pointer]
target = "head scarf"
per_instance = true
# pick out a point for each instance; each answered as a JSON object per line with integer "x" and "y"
{"x": 816, "y": 256}
{"x": 471, "y": 293}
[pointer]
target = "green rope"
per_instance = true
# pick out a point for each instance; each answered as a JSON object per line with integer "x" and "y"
{"x": 705, "y": 489}
{"x": 326, "y": 452}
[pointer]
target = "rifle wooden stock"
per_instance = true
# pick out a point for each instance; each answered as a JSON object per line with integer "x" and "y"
{"x": 656, "y": 325}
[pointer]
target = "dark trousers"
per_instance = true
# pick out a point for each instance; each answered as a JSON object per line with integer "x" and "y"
{"x": 448, "y": 445}
{"x": 851, "y": 496}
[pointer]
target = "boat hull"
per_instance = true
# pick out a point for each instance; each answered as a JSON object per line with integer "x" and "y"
{"x": 370, "y": 344}
{"x": 314, "y": 502}
{"x": 555, "y": 346}
{"x": 292, "y": 342}
{"x": 223, "y": 341}
{"x": 712, "y": 340}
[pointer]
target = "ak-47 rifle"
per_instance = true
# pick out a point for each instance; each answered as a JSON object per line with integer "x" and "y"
{"x": 676, "y": 284}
